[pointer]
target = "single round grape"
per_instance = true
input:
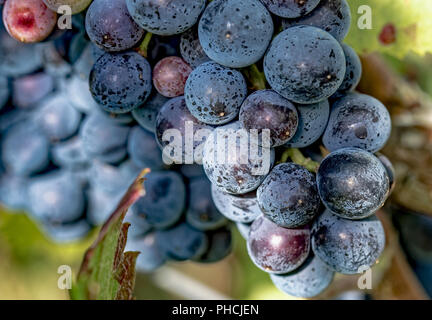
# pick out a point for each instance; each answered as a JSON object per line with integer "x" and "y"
{"x": 333, "y": 16}
{"x": 219, "y": 246}
{"x": 66, "y": 232}
{"x": 165, "y": 17}
{"x": 102, "y": 137}
{"x": 235, "y": 33}
{"x": 165, "y": 199}
{"x": 290, "y": 8}
{"x": 191, "y": 49}
{"x": 244, "y": 229}
{"x": 275, "y": 249}
{"x": 265, "y": 109}
{"x": 313, "y": 119}
{"x": 29, "y": 90}
{"x": 170, "y": 75}
{"x": 239, "y": 208}
{"x": 289, "y": 196}
{"x": 146, "y": 114}
{"x": 143, "y": 149}
{"x": 56, "y": 197}
{"x": 121, "y": 82}
{"x": 353, "y": 72}
{"x": 311, "y": 279}
{"x": 109, "y": 25}
{"x": 70, "y": 154}
{"x": 182, "y": 242}
{"x": 391, "y": 172}
{"x": 352, "y": 183}
{"x": 233, "y": 161}
{"x": 25, "y": 150}
{"x": 357, "y": 120}
{"x": 13, "y": 192}
{"x": 347, "y": 246}
{"x": 214, "y": 93}
{"x": 76, "y": 5}
{"x": 150, "y": 257}
{"x": 305, "y": 65}
{"x": 202, "y": 213}
{"x": 57, "y": 118}
{"x": 176, "y": 116}
{"x": 28, "y": 21}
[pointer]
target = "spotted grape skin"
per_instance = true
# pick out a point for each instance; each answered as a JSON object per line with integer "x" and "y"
{"x": 275, "y": 249}
{"x": 215, "y": 93}
{"x": 305, "y": 65}
{"x": 28, "y": 21}
{"x": 170, "y": 75}
{"x": 352, "y": 183}
{"x": 191, "y": 49}
{"x": 76, "y": 5}
{"x": 289, "y": 196}
{"x": 235, "y": 170}
{"x": 357, "y": 120}
{"x": 120, "y": 82}
{"x": 290, "y": 8}
{"x": 265, "y": 109}
{"x": 235, "y": 33}
{"x": 175, "y": 115}
{"x": 311, "y": 279}
{"x": 353, "y": 71}
{"x": 345, "y": 245}
{"x": 313, "y": 119}
{"x": 146, "y": 114}
{"x": 182, "y": 242}
{"x": 239, "y": 208}
{"x": 110, "y": 27}
{"x": 333, "y": 16}
{"x": 164, "y": 17}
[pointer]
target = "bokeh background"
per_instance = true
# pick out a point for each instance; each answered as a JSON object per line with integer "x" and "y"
{"x": 397, "y": 67}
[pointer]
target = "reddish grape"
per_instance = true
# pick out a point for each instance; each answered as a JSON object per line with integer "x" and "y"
{"x": 28, "y": 21}
{"x": 275, "y": 249}
{"x": 170, "y": 75}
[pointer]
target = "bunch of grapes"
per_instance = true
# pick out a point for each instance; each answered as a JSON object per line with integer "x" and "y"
{"x": 85, "y": 109}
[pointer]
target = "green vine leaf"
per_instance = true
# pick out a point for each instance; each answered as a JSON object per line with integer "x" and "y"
{"x": 107, "y": 272}
{"x": 398, "y": 27}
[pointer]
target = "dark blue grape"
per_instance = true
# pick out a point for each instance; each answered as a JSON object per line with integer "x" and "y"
{"x": 174, "y": 115}
{"x": 182, "y": 242}
{"x": 120, "y": 82}
{"x": 165, "y": 17}
{"x": 214, "y": 93}
{"x": 146, "y": 114}
{"x": 164, "y": 201}
{"x": 239, "y": 208}
{"x": 102, "y": 137}
{"x": 109, "y": 25}
{"x": 265, "y": 109}
{"x": 143, "y": 149}
{"x": 313, "y": 119}
{"x": 233, "y": 162}
{"x": 191, "y": 49}
{"x": 352, "y": 183}
{"x": 357, "y": 120}
{"x": 290, "y": 8}
{"x": 305, "y": 65}
{"x": 202, "y": 213}
{"x": 138, "y": 225}
{"x": 275, "y": 249}
{"x": 333, "y": 16}
{"x": 289, "y": 196}
{"x": 219, "y": 246}
{"x": 66, "y": 233}
{"x": 57, "y": 118}
{"x": 70, "y": 154}
{"x": 150, "y": 258}
{"x": 25, "y": 150}
{"x": 346, "y": 245}
{"x": 28, "y": 90}
{"x": 311, "y": 279}
{"x": 4, "y": 91}
{"x": 56, "y": 197}
{"x": 13, "y": 192}
{"x": 353, "y": 70}
{"x": 235, "y": 33}
{"x": 244, "y": 229}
